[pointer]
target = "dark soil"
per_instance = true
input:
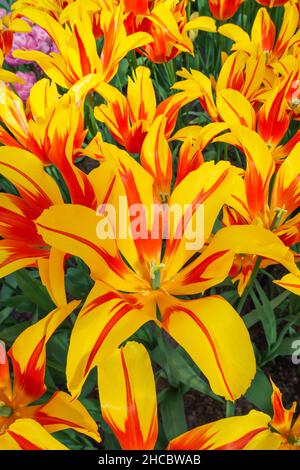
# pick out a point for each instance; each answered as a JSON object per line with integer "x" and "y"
{"x": 201, "y": 409}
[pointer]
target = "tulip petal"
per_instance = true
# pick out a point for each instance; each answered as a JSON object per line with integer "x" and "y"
{"x": 250, "y": 432}
{"x": 27, "y": 434}
{"x": 255, "y": 240}
{"x": 216, "y": 338}
{"x": 235, "y": 109}
{"x": 131, "y": 411}
{"x": 283, "y": 418}
{"x": 52, "y": 276}
{"x": 106, "y": 320}
{"x": 28, "y": 355}
{"x": 5, "y": 383}
{"x": 62, "y": 412}
{"x": 260, "y": 168}
{"x": 200, "y": 197}
{"x": 156, "y": 157}
{"x": 286, "y": 190}
{"x": 290, "y": 282}
{"x": 26, "y": 172}
{"x": 72, "y": 229}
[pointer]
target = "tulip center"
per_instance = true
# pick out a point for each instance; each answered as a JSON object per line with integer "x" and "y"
{"x": 5, "y": 411}
{"x": 279, "y": 213}
{"x": 155, "y": 271}
{"x": 295, "y": 102}
{"x": 164, "y": 198}
{"x": 294, "y": 440}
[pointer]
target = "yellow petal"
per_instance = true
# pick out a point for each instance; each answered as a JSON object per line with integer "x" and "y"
{"x": 28, "y": 355}
{"x": 235, "y": 109}
{"x": 204, "y": 23}
{"x": 250, "y": 432}
{"x": 52, "y": 276}
{"x": 62, "y": 412}
{"x": 156, "y": 157}
{"x": 131, "y": 411}
{"x": 26, "y": 172}
{"x": 255, "y": 240}
{"x": 290, "y": 282}
{"x": 27, "y": 434}
{"x": 216, "y": 338}
{"x": 73, "y": 229}
{"x": 201, "y": 193}
{"x": 107, "y": 319}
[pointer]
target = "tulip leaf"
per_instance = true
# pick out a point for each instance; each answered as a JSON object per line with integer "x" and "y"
{"x": 173, "y": 414}
{"x": 259, "y": 394}
{"x": 33, "y": 290}
{"x": 266, "y": 314}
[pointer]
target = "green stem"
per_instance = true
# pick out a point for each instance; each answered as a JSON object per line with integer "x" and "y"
{"x": 250, "y": 284}
{"x": 171, "y": 72}
{"x": 226, "y": 152}
{"x": 230, "y": 408}
{"x": 94, "y": 127}
{"x": 132, "y": 61}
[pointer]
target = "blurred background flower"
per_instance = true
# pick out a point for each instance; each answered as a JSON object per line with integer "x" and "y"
{"x": 23, "y": 89}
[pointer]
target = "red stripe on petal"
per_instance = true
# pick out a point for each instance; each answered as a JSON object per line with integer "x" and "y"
{"x": 201, "y": 325}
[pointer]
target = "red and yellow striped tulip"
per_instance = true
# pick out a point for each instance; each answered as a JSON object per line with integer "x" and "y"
{"x": 126, "y": 294}
{"x": 67, "y": 68}
{"x": 168, "y": 25}
{"x": 52, "y": 128}
{"x": 129, "y": 119}
{"x": 264, "y": 37}
{"x": 256, "y": 201}
{"x": 239, "y": 72}
{"x": 29, "y": 427}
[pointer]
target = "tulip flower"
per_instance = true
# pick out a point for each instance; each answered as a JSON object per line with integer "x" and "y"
{"x": 21, "y": 245}
{"x": 224, "y": 9}
{"x": 167, "y": 23}
{"x": 9, "y": 24}
{"x": 264, "y": 39}
{"x": 126, "y": 294}
{"x": 53, "y": 7}
{"x": 271, "y": 120}
{"x": 53, "y": 130}
{"x": 241, "y": 102}
{"x": 255, "y": 431}
{"x": 258, "y": 201}
{"x": 239, "y": 72}
{"x": 24, "y": 426}
{"x": 129, "y": 120}
{"x": 65, "y": 68}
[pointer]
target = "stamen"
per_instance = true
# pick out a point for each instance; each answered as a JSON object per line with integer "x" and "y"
{"x": 5, "y": 411}
{"x": 164, "y": 198}
{"x": 155, "y": 274}
{"x": 279, "y": 214}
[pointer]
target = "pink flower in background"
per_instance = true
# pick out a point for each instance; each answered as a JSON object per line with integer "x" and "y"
{"x": 23, "y": 90}
{"x": 36, "y": 40}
